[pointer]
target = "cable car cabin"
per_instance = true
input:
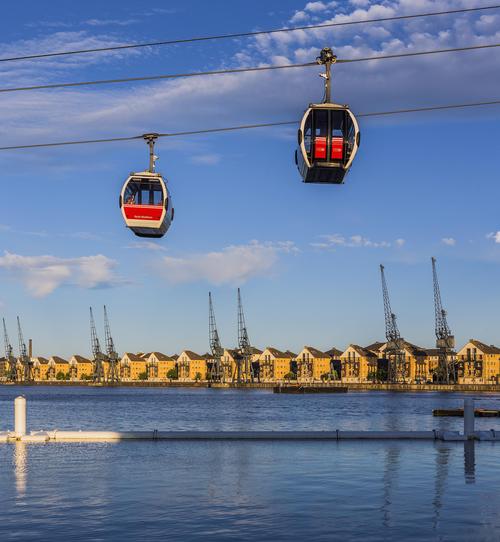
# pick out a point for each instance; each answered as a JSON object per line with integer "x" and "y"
{"x": 146, "y": 204}
{"x": 328, "y": 141}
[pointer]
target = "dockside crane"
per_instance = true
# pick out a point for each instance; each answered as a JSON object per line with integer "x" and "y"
{"x": 445, "y": 341}
{"x": 244, "y": 368}
{"x": 216, "y": 372}
{"x": 99, "y": 357}
{"x": 9, "y": 355}
{"x": 24, "y": 359}
{"x": 395, "y": 354}
{"x": 113, "y": 375}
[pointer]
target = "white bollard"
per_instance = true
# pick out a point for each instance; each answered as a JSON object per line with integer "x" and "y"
{"x": 20, "y": 416}
{"x": 468, "y": 418}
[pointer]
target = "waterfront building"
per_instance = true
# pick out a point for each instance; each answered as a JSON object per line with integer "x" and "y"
{"x": 83, "y": 367}
{"x": 229, "y": 364}
{"x": 274, "y": 365}
{"x": 313, "y": 365}
{"x": 358, "y": 364}
{"x": 478, "y": 363}
{"x": 158, "y": 365}
{"x": 133, "y": 367}
{"x": 191, "y": 366}
{"x": 40, "y": 368}
{"x": 57, "y": 367}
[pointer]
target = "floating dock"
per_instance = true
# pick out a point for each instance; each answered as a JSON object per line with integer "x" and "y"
{"x": 459, "y": 413}
{"x": 20, "y": 433}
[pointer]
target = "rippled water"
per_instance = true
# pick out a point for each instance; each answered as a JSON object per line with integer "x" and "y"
{"x": 245, "y": 490}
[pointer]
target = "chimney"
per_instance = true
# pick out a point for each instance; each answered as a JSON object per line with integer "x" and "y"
{"x": 30, "y": 348}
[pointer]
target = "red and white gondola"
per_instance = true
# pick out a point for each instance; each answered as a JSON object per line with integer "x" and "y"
{"x": 145, "y": 200}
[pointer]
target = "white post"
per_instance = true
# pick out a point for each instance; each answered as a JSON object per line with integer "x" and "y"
{"x": 468, "y": 417}
{"x": 20, "y": 416}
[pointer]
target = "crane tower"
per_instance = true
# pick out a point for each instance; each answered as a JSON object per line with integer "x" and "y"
{"x": 395, "y": 354}
{"x": 445, "y": 341}
{"x": 244, "y": 368}
{"x": 9, "y": 355}
{"x": 113, "y": 375}
{"x": 24, "y": 359}
{"x": 215, "y": 372}
{"x": 98, "y": 361}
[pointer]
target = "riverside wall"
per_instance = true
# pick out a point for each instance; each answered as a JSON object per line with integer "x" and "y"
{"x": 352, "y": 386}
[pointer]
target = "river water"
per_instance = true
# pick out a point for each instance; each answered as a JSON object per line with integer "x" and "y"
{"x": 245, "y": 490}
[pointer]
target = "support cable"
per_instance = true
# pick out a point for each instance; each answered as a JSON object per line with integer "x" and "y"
{"x": 247, "y": 34}
{"x": 242, "y": 70}
{"x": 245, "y": 126}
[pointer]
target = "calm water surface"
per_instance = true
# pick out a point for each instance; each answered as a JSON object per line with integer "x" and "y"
{"x": 245, "y": 490}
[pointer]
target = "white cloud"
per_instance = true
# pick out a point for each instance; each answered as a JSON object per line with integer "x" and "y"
{"x": 315, "y": 7}
{"x": 234, "y": 264}
{"x": 209, "y": 159}
{"x": 360, "y": 3}
{"x": 111, "y": 22}
{"x": 146, "y": 245}
{"x": 399, "y": 242}
{"x": 354, "y": 241}
{"x": 495, "y": 235}
{"x": 44, "y": 274}
{"x": 449, "y": 241}
{"x": 299, "y": 17}
{"x": 42, "y": 116}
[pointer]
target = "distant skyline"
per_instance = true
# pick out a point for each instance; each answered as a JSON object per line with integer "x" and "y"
{"x": 305, "y": 256}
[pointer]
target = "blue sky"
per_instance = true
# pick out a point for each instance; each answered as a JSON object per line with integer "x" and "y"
{"x": 306, "y": 256}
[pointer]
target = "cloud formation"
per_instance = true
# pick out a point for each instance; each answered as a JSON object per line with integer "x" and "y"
{"x": 449, "y": 241}
{"x": 335, "y": 240}
{"x": 42, "y": 275}
{"x": 234, "y": 264}
{"x": 495, "y": 236}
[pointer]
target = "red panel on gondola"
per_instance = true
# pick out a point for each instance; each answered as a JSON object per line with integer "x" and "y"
{"x": 320, "y": 147}
{"x": 143, "y": 212}
{"x": 337, "y": 148}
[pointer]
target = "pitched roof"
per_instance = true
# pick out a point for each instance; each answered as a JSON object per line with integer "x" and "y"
{"x": 256, "y": 350}
{"x": 81, "y": 359}
{"x": 278, "y": 354}
{"x": 133, "y": 357}
{"x": 491, "y": 349}
{"x": 57, "y": 359}
{"x": 40, "y": 359}
{"x": 293, "y": 354}
{"x": 414, "y": 349}
{"x": 334, "y": 352}
{"x": 361, "y": 351}
{"x": 374, "y": 347}
{"x": 160, "y": 356}
{"x": 192, "y": 355}
{"x": 316, "y": 353}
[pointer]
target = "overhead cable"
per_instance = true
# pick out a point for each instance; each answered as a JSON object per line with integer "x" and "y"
{"x": 246, "y": 126}
{"x": 244, "y": 70}
{"x": 247, "y": 34}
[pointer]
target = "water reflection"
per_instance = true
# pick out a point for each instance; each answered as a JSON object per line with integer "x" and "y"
{"x": 20, "y": 467}
{"x": 470, "y": 462}
{"x": 390, "y": 477}
{"x": 442, "y": 462}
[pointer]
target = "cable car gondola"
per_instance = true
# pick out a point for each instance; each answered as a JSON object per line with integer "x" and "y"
{"x": 145, "y": 201}
{"x": 328, "y": 135}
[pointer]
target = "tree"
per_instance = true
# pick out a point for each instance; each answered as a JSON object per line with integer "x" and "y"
{"x": 60, "y": 376}
{"x": 197, "y": 377}
{"x": 290, "y": 376}
{"x": 173, "y": 374}
{"x": 143, "y": 376}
